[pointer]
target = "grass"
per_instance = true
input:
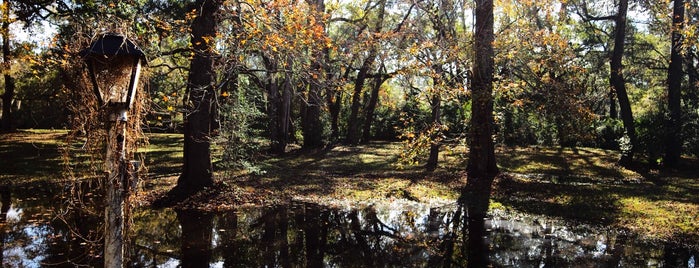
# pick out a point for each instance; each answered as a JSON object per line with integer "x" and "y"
{"x": 576, "y": 184}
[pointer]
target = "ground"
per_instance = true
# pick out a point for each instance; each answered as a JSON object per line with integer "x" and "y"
{"x": 574, "y": 184}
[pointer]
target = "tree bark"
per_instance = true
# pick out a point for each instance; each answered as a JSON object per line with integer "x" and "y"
{"x": 673, "y": 149}
{"x": 9, "y": 95}
{"x": 334, "y": 105}
{"x": 371, "y": 106}
{"x": 436, "y": 105}
{"x": 481, "y": 160}
{"x": 285, "y": 107}
{"x": 197, "y": 170}
{"x": 312, "y": 127}
{"x": 618, "y": 84}
{"x": 353, "y": 122}
{"x": 433, "y": 158}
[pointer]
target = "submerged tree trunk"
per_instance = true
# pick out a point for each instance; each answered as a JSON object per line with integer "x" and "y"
{"x": 9, "y": 95}
{"x": 481, "y": 160}
{"x": 673, "y": 149}
{"x": 617, "y": 82}
{"x": 197, "y": 170}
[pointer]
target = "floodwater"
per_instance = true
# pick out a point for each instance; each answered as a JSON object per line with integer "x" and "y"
{"x": 38, "y": 229}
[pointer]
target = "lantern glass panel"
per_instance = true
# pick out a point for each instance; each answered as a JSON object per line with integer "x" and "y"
{"x": 112, "y": 76}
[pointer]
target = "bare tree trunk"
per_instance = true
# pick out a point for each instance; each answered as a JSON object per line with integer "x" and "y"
{"x": 481, "y": 160}
{"x": 197, "y": 170}
{"x": 379, "y": 79}
{"x": 673, "y": 149}
{"x": 353, "y": 121}
{"x": 9, "y": 95}
{"x": 618, "y": 84}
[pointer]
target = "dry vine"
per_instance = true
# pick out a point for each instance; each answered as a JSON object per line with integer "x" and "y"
{"x": 85, "y": 149}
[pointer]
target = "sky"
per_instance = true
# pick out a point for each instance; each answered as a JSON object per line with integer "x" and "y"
{"x": 41, "y": 34}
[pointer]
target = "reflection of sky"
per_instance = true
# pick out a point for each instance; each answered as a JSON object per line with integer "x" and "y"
{"x": 170, "y": 263}
{"x": 14, "y": 214}
{"x": 691, "y": 263}
{"x": 27, "y": 250}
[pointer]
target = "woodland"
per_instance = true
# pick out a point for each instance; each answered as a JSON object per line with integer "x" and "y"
{"x": 264, "y": 100}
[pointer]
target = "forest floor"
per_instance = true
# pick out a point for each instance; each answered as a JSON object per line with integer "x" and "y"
{"x": 575, "y": 184}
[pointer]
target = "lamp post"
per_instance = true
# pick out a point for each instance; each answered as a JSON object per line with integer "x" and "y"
{"x": 114, "y": 64}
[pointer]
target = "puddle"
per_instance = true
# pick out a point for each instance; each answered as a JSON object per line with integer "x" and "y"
{"x": 390, "y": 234}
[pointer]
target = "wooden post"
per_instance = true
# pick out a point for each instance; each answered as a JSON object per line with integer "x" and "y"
{"x": 117, "y": 180}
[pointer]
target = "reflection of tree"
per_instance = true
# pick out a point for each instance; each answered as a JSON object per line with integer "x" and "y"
{"x": 5, "y": 198}
{"x": 310, "y": 235}
{"x": 229, "y": 224}
{"x": 155, "y": 236}
{"x": 77, "y": 229}
{"x": 197, "y": 229}
{"x": 476, "y": 197}
{"x": 316, "y": 230}
{"x": 445, "y": 244}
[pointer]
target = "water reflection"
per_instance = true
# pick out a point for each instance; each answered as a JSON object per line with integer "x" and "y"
{"x": 397, "y": 233}
{"x": 394, "y": 234}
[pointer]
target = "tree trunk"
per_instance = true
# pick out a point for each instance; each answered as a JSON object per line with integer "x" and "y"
{"x": 433, "y": 159}
{"x": 312, "y": 127}
{"x": 9, "y": 95}
{"x": 285, "y": 108}
{"x": 618, "y": 84}
{"x": 197, "y": 170}
{"x": 353, "y": 122}
{"x": 371, "y": 107}
{"x": 673, "y": 148}
{"x": 481, "y": 160}
{"x": 273, "y": 103}
{"x": 334, "y": 105}
{"x": 613, "y": 114}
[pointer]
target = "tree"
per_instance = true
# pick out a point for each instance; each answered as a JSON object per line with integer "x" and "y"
{"x": 674, "y": 87}
{"x": 27, "y": 12}
{"x": 197, "y": 169}
{"x": 616, "y": 78}
{"x": 312, "y": 125}
{"x": 9, "y": 95}
{"x": 617, "y": 82}
{"x": 482, "y": 167}
{"x": 353, "y": 123}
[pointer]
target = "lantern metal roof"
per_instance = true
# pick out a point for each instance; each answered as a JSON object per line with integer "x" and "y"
{"x": 113, "y": 44}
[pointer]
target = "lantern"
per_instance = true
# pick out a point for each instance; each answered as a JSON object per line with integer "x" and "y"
{"x": 114, "y": 64}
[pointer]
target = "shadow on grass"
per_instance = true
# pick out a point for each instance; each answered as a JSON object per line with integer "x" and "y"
{"x": 366, "y": 170}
